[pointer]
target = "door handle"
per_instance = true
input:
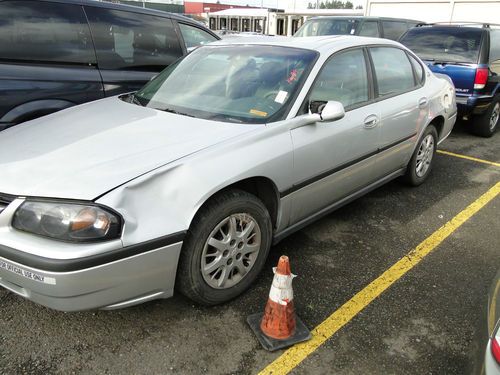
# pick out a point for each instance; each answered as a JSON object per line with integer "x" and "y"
{"x": 371, "y": 121}
{"x": 423, "y": 102}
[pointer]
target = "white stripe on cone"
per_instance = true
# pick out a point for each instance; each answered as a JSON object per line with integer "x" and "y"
{"x": 281, "y": 290}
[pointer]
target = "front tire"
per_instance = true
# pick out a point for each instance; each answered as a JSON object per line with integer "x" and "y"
{"x": 486, "y": 124}
{"x": 225, "y": 248}
{"x": 420, "y": 164}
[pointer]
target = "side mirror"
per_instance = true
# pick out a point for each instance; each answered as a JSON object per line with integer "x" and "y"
{"x": 323, "y": 112}
{"x": 332, "y": 111}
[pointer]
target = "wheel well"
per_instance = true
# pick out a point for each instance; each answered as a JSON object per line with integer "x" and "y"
{"x": 438, "y": 122}
{"x": 263, "y": 188}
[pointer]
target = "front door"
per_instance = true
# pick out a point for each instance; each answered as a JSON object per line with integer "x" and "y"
{"x": 334, "y": 159}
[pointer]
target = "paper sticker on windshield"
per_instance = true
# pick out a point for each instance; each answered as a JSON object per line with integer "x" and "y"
{"x": 27, "y": 274}
{"x": 258, "y": 113}
{"x": 280, "y": 98}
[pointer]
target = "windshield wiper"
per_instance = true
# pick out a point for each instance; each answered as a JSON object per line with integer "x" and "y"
{"x": 136, "y": 100}
{"x": 447, "y": 62}
{"x": 176, "y": 112}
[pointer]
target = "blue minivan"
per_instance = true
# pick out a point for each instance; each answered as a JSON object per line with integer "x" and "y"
{"x": 470, "y": 55}
{"x": 58, "y": 53}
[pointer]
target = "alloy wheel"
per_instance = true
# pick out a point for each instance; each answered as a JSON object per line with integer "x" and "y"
{"x": 495, "y": 114}
{"x": 424, "y": 155}
{"x": 230, "y": 251}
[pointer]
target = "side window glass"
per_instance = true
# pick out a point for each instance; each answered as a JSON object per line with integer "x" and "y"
{"x": 393, "y": 70}
{"x": 45, "y": 32}
{"x": 393, "y": 29}
{"x": 419, "y": 70}
{"x": 126, "y": 40}
{"x": 194, "y": 37}
{"x": 343, "y": 79}
{"x": 369, "y": 28}
{"x": 495, "y": 51}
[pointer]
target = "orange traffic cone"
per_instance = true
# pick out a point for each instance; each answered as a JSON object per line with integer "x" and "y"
{"x": 278, "y": 327}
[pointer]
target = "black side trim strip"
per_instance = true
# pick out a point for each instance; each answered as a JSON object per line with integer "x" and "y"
{"x": 329, "y": 172}
{"x": 336, "y": 205}
{"x": 66, "y": 265}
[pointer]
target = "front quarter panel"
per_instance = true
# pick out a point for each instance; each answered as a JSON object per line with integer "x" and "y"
{"x": 164, "y": 201}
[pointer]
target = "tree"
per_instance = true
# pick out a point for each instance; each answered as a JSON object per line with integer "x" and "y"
{"x": 334, "y": 4}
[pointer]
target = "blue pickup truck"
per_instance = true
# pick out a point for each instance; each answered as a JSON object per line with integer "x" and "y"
{"x": 470, "y": 55}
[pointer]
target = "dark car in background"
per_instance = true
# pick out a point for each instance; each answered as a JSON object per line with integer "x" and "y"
{"x": 470, "y": 55}
{"x": 376, "y": 27}
{"x": 55, "y": 54}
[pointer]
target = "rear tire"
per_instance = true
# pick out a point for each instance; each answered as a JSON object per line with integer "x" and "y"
{"x": 420, "y": 164}
{"x": 486, "y": 124}
{"x": 225, "y": 248}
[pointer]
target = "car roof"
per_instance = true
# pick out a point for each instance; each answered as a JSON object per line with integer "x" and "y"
{"x": 461, "y": 25}
{"x": 128, "y": 8}
{"x": 447, "y": 27}
{"x": 365, "y": 18}
{"x": 321, "y": 44}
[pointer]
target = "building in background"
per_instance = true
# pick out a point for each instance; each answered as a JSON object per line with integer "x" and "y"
{"x": 270, "y": 21}
{"x": 202, "y": 8}
{"x": 483, "y": 11}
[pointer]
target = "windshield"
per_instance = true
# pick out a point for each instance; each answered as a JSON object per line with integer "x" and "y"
{"x": 245, "y": 84}
{"x": 455, "y": 44}
{"x": 328, "y": 26}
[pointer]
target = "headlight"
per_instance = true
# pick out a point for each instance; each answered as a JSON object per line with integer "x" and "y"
{"x": 67, "y": 221}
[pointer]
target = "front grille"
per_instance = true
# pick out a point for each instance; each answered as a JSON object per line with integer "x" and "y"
{"x": 5, "y": 200}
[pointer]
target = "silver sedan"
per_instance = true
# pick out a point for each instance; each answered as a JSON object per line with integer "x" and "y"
{"x": 188, "y": 182}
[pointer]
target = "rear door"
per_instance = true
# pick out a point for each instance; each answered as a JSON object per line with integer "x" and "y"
{"x": 131, "y": 47}
{"x": 46, "y": 53}
{"x": 403, "y": 105}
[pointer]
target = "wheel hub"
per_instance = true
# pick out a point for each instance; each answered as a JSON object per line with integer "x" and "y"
{"x": 230, "y": 251}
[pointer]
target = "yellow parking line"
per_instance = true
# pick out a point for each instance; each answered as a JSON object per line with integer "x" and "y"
{"x": 468, "y": 158}
{"x": 296, "y": 354}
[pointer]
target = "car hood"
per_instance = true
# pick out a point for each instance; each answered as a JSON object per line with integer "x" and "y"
{"x": 85, "y": 151}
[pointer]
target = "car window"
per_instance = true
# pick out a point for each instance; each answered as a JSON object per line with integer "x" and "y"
{"x": 444, "y": 44}
{"x": 327, "y": 26}
{"x": 127, "y": 40}
{"x": 393, "y": 70}
{"x": 343, "y": 79}
{"x": 44, "y": 32}
{"x": 495, "y": 51}
{"x": 239, "y": 83}
{"x": 194, "y": 37}
{"x": 419, "y": 70}
{"x": 393, "y": 29}
{"x": 369, "y": 28}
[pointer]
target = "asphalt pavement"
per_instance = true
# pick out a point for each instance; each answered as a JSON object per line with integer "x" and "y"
{"x": 425, "y": 323}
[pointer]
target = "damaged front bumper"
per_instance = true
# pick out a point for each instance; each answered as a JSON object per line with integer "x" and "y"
{"x": 74, "y": 277}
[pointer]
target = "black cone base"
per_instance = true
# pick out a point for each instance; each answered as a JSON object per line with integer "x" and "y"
{"x": 270, "y": 344}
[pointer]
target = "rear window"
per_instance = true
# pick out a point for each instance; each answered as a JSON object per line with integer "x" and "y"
{"x": 328, "y": 26}
{"x": 448, "y": 44}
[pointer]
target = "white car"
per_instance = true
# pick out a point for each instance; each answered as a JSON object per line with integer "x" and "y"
{"x": 189, "y": 181}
